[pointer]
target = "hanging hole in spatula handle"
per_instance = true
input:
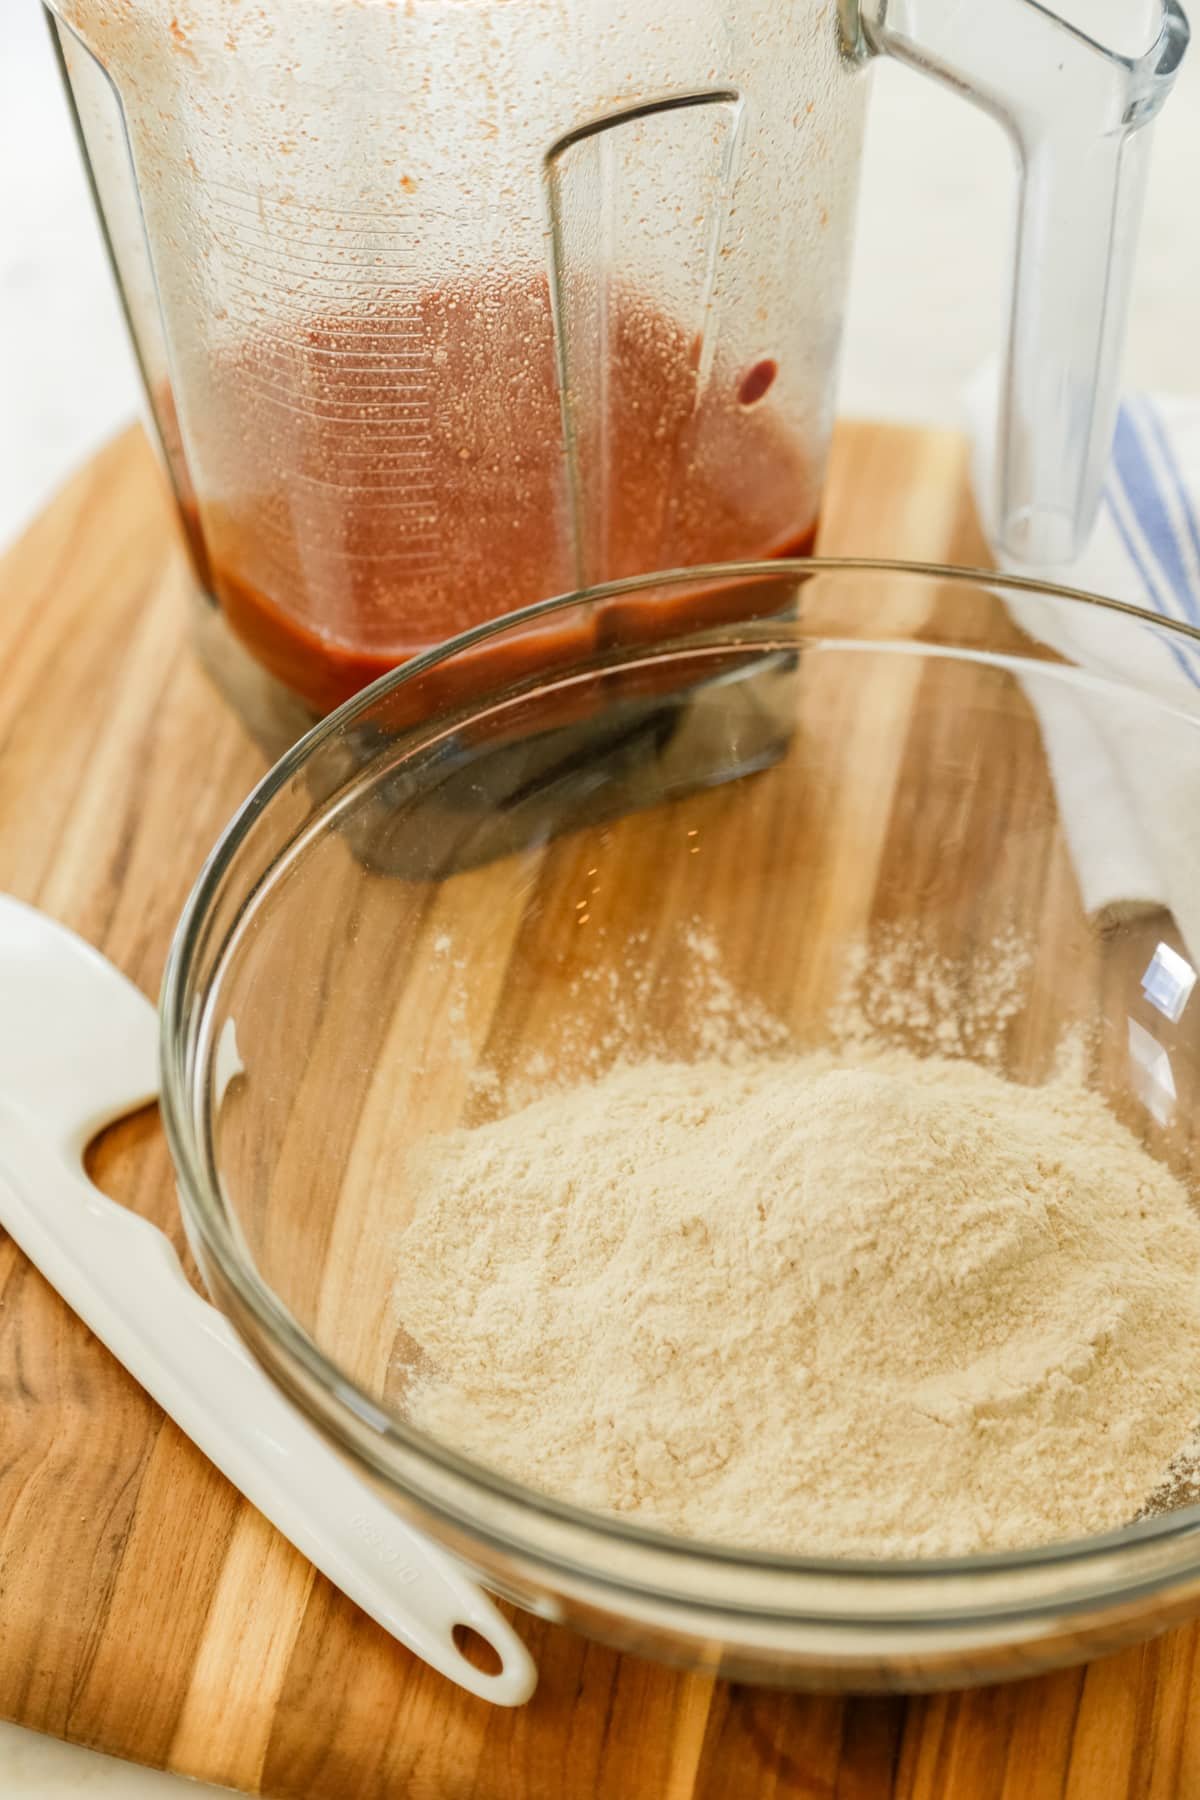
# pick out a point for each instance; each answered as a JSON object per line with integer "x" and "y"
{"x": 477, "y": 1650}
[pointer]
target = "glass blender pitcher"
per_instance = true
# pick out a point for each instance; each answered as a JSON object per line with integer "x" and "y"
{"x": 446, "y": 306}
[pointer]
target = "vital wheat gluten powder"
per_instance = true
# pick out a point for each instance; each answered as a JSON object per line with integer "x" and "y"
{"x": 858, "y": 1304}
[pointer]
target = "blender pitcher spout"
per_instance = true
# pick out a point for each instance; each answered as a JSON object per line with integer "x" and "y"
{"x": 1078, "y": 114}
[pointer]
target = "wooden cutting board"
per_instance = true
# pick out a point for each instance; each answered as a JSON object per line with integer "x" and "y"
{"x": 144, "y": 1608}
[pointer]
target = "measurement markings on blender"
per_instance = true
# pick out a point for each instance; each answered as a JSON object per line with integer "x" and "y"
{"x": 330, "y": 377}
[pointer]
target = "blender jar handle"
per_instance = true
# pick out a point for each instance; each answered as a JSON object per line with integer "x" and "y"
{"x": 1078, "y": 116}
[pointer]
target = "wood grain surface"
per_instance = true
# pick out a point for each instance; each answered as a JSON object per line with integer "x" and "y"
{"x": 144, "y": 1608}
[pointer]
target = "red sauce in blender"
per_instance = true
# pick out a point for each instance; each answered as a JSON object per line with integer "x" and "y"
{"x": 393, "y": 476}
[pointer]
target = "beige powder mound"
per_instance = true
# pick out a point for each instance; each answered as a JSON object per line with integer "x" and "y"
{"x": 854, "y": 1305}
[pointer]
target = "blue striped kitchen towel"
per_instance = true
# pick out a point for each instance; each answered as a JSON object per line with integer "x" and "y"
{"x": 1130, "y": 813}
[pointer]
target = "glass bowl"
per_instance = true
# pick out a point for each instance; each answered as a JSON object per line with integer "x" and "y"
{"x": 509, "y": 863}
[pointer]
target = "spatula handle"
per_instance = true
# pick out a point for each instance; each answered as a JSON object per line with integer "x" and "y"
{"x": 124, "y": 1280}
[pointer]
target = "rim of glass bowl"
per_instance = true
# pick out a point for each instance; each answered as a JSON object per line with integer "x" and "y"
{"x": 482, "y": 1504}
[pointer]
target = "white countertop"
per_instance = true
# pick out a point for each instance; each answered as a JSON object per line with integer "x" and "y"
{"x": 926, "y": 308}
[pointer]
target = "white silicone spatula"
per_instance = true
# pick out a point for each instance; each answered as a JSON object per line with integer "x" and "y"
{"x": 78, "y": 1049}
